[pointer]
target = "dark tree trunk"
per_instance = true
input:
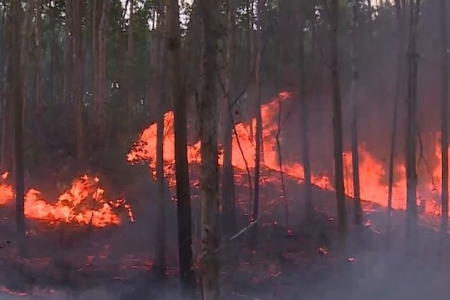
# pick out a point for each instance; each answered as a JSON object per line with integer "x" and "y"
{"x": 337, "y": 118}
{"x": 181, "y": 163}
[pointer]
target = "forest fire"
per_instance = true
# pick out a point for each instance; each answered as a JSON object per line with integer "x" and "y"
{"x": 373, "y": 173}
{"x": 83, "y": 203}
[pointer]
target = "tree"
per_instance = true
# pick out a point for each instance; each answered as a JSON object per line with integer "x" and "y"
{"x": 209, "y": 179}
{"x": 229, "y": 218}
{"x": 398, "y": 88}
{"x": 77, "y": 84}
{"x": 337, "y": 117}
{"x": 411, "y": 131}
{"x": 18, "y": 96}
{"x": 181, "y": 163}
{"x": 354, "y": 123}
{"x": 444, "y": 114}
{"x": 305, "y": 117}
{"x": 258, "y": 134}
{"x": 160, "y": 255}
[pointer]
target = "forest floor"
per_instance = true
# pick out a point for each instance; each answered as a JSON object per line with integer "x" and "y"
{"x": 299, "y": 261}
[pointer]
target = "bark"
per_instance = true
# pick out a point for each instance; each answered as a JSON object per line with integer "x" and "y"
{"x": 78, "y": 78}
{"x": 209, "y": 177}
{"x": 258, "y": 134}
{"x": 399, "y": 88}
{"x": 444, "y": 114}
{"x": 304, "y": 110}
{"x": 354, "y": 124}
{"x": 411, "y": 134}
{"x": 181, "y": 162}
{"x": 17, "y": 94}
{"x": 228, "y": 204}
{"x": 337, "y": 118}
{"x": 160, "y": 255}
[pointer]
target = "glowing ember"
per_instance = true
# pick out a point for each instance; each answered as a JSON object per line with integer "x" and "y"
{"x": 83, "y": 203}
{"x": 373, "y": 174}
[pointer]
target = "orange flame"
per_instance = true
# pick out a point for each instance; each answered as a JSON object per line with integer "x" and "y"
{"x": 372, "y": 171}
{"x": 83, "y": 203}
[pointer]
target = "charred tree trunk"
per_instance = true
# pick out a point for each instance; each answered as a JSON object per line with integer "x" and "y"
{"x": 337, "y": 118}
{"x": 354, "y": 124}
{"x": 181, "y": 162}
{"x": 78, "y": 78}
{"x": 229, "y": 216}
{"x": 160, "y": 255}
{"x": 258, "y": 135}
{"x": 411, "y": 134}
{"x": 444, "y": 116}
{"x": 209, "y": 177}
{"x": 309, "y": 209}
{"x": 18, "y": 95}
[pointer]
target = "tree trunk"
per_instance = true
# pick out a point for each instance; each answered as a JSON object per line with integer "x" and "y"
{"x": 38, "y": 67}
{"x": 411, "y": 134}
{"x": 354, "y": 124}
{"x": 130, "y": 69}
{"x": 78, "y": 79}
{"x": 337, "y": 118}
{"x": 17, "y": 95}
{"x": 444, "y": 116}
{"x": 209, "y": 177}
{"x": 228, "y": 205}
{"x": 160, "y": 255}
{"x": 258, "y": 135}
{"x": 68, "y": 55}
{"x": 103, "y": 81}
{"x": 181, "y": 163}
{"x": 304, "y": 110}
{"x": 398, "y": 95}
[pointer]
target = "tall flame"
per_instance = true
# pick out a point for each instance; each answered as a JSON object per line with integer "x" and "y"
{"x": 274, "y": 114}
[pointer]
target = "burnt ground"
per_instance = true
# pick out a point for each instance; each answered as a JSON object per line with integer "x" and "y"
{"x": 313, "y": 261}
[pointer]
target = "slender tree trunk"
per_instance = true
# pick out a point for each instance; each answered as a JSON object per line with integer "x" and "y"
{"x": 17, "y": 94}
{"x": 68, "y": 55}
{"x": 78, "y": 78}
{"x": 411, "y": 135}
{"x": 27, "y": 31}
{"x": 209, "y": 178}
{"x": 337, "y": 118}
{"x": 354, "y": 124}
{"x": 229, "y": 217}
{"x": 444, "y": 116}
{"x": 130, "y": 68}
{"x": 160, "y": 255}
{"x": 398, "y": 93}
{"x": 309, "y": 209}
{"x": 103, "y": 80}
{"x": 258, "y": 134}
{"x": 181, "y": 163}
{"x": 38, "y": 67}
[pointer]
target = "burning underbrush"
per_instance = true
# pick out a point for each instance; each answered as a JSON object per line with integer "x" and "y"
{"x": 107, "y": 245}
